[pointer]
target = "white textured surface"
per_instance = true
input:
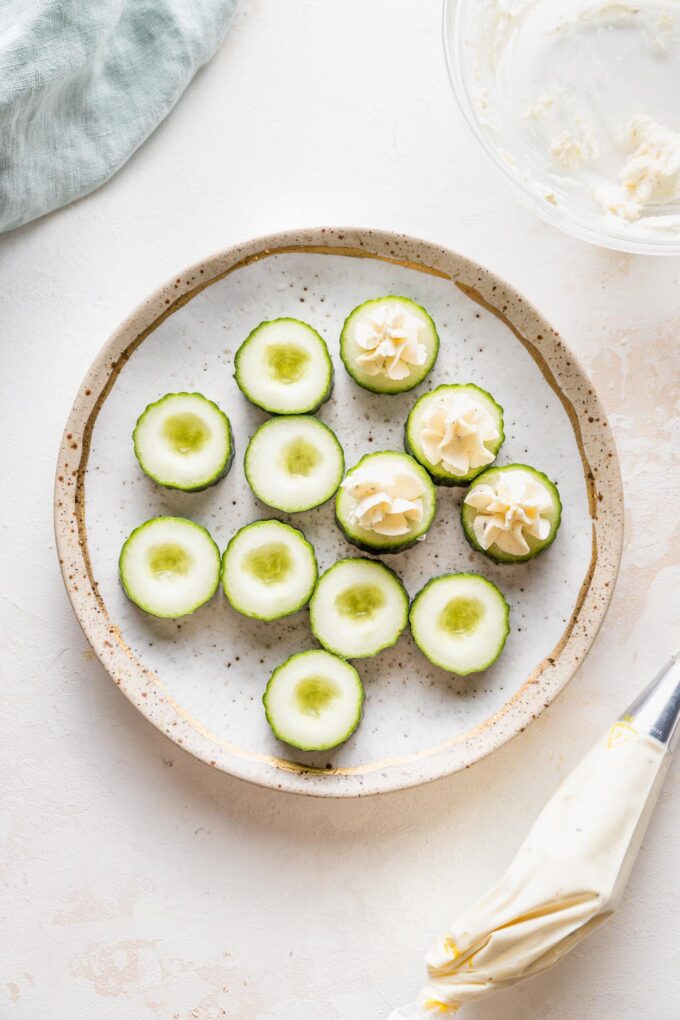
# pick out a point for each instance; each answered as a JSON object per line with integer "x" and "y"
{"x": 136, "y": 881}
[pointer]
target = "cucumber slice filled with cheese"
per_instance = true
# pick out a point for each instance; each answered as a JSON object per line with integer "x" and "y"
{"x": 169, "y": 566}
{"x": 455, "y": 432}
{"x": 294, "y": 463}
{"x": 184, "y": 441}
{"x": 389, "y": 344}
{"x": 460, "y": 622}
{"x": 511, "y": 513}
{"x": 386, "y": 502}
{"x": 268, "y": 570}
{"x": 314, "y": 700}
{"x": 284, "y": 367}
{"x": 359, "y": 607}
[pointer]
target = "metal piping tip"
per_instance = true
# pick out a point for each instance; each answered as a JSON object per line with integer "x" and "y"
{"x": 656, "y": 711}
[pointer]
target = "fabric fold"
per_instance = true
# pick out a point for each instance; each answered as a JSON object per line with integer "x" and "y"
{"x": 83, "y": 85}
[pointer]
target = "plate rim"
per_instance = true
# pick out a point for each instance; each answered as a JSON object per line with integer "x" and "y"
{"x": 602, "y": 474}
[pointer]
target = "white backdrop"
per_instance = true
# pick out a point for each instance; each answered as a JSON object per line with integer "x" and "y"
{"x": 136, "y": 882}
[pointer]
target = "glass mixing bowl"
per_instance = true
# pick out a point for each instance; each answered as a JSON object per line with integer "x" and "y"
{"x": 551, "y": 89}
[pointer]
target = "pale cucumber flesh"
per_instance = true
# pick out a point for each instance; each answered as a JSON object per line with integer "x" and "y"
{"x": 284, "y": 367}
{"x": 359, "y": 607}
{"x": 314, "y": 700}
{"x": 268, "y": 570}
{"x": 169, "y": 566}
{"x": 294, "y": 463}
{"x": 460, "y": 622}
{"x": 286, "y": 363}
{"x": 270, "y": 563}
{"x": 300, "y": 458}
{"x": 360, "y": 601}
{"x": 184, "y": 441}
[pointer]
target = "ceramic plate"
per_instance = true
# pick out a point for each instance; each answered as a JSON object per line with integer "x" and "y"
{"x": 200, "y": 680}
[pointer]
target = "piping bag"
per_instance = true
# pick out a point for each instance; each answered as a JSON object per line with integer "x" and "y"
{"x": 572, "y": 868}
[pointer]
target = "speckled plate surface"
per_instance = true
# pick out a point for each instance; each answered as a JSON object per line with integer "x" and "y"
{"x": 200, "y": 680}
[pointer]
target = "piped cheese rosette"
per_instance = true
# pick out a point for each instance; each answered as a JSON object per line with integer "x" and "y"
{"x": 455, "y": 432}
{"x": 386, "y": 502}
{"x": 388, "y": 345}
{"x": 389, "y": 339}
{"x": 511, "y": 513}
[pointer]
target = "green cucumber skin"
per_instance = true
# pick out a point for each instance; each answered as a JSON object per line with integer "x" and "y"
{"x": 298, "y": 509}
{"x": 255, "y": 616}
{"x": 325, "y": 747}
{"x": 388, "y": 644}
{"x": 468, "y": 515}
{"x": 224, "y": 470}
{"x": 270, "y": 410}
{"x": 493, "y": 658}
{"x": 376, "y": 549}
{"x": 438, "y": 475}
{"x": 380, "y": 548}
{"x": 375, "y": 387}
{"x": 121, "y": 576}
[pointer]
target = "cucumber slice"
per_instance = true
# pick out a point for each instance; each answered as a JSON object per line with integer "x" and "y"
{"x": 511, "y": 513}
{"x": 389, "y": 344}
{"x": 169, "y": 566}
{"x": 184, "y": 441}
{"x": 386, "y": 502}
{"x": 359, "y": 607}
{"x": 294, "y": 463}
{"x": 268, "y": 570}
{"x": 284, "y": 367}
{"x": 455, "y": 432}
{"x": 460, "y": 622}
{"x": 314, "y": 700}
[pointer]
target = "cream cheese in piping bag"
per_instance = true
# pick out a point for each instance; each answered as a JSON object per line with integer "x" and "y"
{"x": 572, "y": 868}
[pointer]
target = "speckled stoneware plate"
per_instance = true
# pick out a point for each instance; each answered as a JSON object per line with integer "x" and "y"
{"x": 200, "y": 680}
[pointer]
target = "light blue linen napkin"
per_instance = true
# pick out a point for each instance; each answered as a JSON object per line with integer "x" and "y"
{"x": 83, "y": 83}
